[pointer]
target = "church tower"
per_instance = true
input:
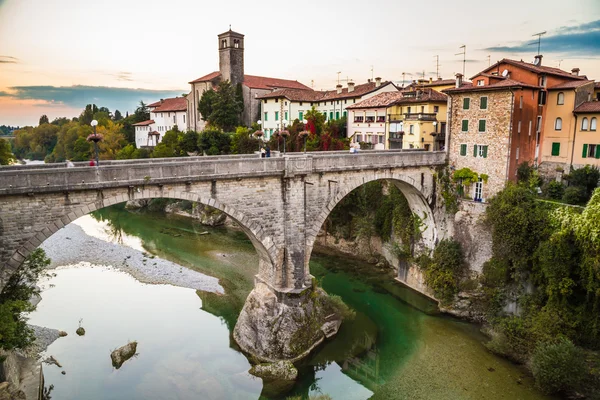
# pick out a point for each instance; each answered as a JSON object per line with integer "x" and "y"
{"x": 231, "y": 56}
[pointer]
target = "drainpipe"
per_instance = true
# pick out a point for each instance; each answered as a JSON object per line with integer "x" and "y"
{"x": 448, "y": 125}
{"x": 510, "y": 129}
{"x": 573, "y": 147}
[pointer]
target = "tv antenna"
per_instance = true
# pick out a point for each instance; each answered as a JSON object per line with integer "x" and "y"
{"x": 539, "y": 41}
{"x": 489, "y": 60}
{"x": 437, "y": 66}
{"x": 371, "y": 73}
{"x": 404, "y": 73}
{"x": 559, "y": 61}
{"x": 464, "y": 53}
{"x": 338, "y": 78}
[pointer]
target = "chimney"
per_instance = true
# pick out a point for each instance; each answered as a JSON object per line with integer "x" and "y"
{"x": 538, "y": 60}
{"x": 162, "y": 101}
{"x": 350, "y": 87}
{"x": 575, "y": 72}
{"x": 338, "y": 88}
{"x": 369, "y": 80}
{"x": 459, "y": 80}
{"x": 377, "y": 82}
{"x": 439, "y": 78}
{"x": 430, "y": 80}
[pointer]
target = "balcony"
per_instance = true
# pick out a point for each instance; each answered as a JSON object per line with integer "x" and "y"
{"x": 395, "y": 117}
{"x": 420, "y": 117}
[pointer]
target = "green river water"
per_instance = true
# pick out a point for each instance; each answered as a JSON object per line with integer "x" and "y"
{"x": 397, "y": 347}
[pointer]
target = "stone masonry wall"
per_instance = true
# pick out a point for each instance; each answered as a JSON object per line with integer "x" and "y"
{"x": 496, "y": 137}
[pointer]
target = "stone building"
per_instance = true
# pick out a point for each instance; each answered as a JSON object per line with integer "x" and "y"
{"x": 497, "y": 122}
{"x": 231, "y": 68}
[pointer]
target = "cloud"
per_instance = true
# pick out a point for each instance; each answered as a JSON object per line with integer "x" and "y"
{"x": 123, "y": 76}
{"x": 8, "y": 59}
{"x": 78, "y": 96}
{"x": 583, "y": 39}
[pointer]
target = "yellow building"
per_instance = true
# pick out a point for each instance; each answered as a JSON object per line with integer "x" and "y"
{"x": 438, "y": 84}
{"x": 587, "y": 136}
{"x": 417, "y": 120}
{"x": 559, "y": 124}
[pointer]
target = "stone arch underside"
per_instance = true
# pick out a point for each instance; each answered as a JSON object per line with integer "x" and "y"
{"x": 261, "y": 241}
{"x": 406, "y": 184}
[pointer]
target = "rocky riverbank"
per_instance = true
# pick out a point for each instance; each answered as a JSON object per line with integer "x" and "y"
{"x": 71, "y": 245}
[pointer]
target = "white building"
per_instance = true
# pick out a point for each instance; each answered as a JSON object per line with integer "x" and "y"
{"x": 164, "y": 116}
{"x": 286, "y": 105}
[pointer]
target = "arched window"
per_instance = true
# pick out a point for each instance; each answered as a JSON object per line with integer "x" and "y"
{"x": 236, "y": 43}
{"x": 558, "y": 124}
{"x": 593, "y": 124}
{"x": 584, "y": 124}
{"x": 223, "y": 43}
{"x": 561, "y": 98}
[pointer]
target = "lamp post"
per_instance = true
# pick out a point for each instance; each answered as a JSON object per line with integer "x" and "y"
{"x": 434, "y": 133}
{"x": 95, "y": 139}
{"x": 285, "y": 134}
{"x": 258, "y": 135}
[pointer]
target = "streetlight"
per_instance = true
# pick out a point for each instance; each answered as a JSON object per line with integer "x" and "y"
{"x": 285, "y": 134}
{"x": 304, "y": 133}
{"x": 258, "y": 135}
{"x": 95, "y": 138}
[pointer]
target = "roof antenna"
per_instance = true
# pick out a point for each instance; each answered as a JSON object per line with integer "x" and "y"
{"x": 464, "y": 53}
{"x": 489, "y": 60}
{"x": 371, "y": 73}
{"x": 437, "y": 66}
{"x": 403, "y": 78}
{"x": 539, "y": 42}
{"x": 229, "y": 26}
{"x": 339, "y": 72}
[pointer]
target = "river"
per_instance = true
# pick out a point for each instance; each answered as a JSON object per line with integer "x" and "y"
{"x": 397, "y": 346}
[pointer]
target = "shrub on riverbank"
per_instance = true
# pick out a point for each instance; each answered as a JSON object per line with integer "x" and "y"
{"x": 444, "y": 270}
{"x": 558, "y": 366}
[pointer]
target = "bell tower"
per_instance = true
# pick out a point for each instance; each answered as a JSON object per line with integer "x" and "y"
{"x": 231, "y": 56}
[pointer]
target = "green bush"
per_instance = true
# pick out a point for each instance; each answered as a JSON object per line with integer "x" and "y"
{"x": 554, "y": 190}
{"x": 586, "y": 177}
{"x": 558, "y": 366}
{"x": 444, "y": 272}
{"x": 574, "y": 195}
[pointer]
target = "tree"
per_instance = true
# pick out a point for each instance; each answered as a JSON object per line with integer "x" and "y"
{"x": 213, "y": 142}
{"x": 113, "y": 140}
{"x": 118, "y": 116}
{"x": 44, "y": 120}
{"x": 142, "y": 113}
{"x": 242, "y": 141}
{"x": 6, "y": 155}
{"x": 189, "y": 143}
{"x": 87, "y": 115}
{"x": 14, "y": 302}
{"x": 222, "y": 109}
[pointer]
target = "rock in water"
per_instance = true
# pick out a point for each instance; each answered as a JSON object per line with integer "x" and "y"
{"x": 122, "y": 354}
{"x": 62, "y": 333}
{"x": 80, "y": 331}
{"x": 283, "y": 370}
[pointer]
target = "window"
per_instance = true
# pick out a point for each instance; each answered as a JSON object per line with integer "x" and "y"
{"x": 478, "y": 190}
{"x": 519, "y": 127}
{"x": 555, "y": 149}
{"x": 300, "y": 103}
{"x": 466, "y": 103}
{"x": 538, "y": 126}
{"x": 325, "y": 115}
{"x": 480, "y": 151}
{"x": 276, "y": 115}
{"x": 353, "y": 101}
{"x": 285, "y": 104}
{"x": 593, "y": 124}
{"x": 482, "y": 125}
{"x": 480, "y": 82}
{"x": 359, "y": 118}
{"x": 521, "y": 102}
{"x": 530, "y": 128}
{"x": 276, "y": 100}
{"x": 344, "y": 115}
{"x": 483, "y": 103}
{"x": 380, "y": 138}
{"x": 345, "y": 101}
{"x": 542, "y": 98}
{"x": 591, "y": 151}
{"x": 560, "y": 99}
{"x": 174, "y": 120}
{"x": 422, "y": 109}
{"x": 332, "y": 103}
{"x": 300, "y": 115}
{"x": 184, "y": 118}
{"x": 266, "y": 116}
{"x": 465, "y": 125}
{"x": 338, "y": 102}
{"x": 411, "y": 129}
{"x": 381, "y": 118}
{"x": 436, "y": 109}
{"x": 584, "y": 124}
{"x": 370, "y": 118}
{"x": 463, "y": 149}
{"x": 558, "y": 124}
{"x": 337, "y": 115}
{"x": 543, "y": 81}
{"x": 286, "y": 116}
{"x": 331, "y": 115}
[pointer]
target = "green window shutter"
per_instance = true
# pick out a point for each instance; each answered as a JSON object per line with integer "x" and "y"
{"x": 598, "y": 151}
{"x": 344, "y": 114}
{"x": 330, "y": 115}
{"x": 466, "y": 103}
{"x": 266, "y": 116}
{"x": 482, "y": 125}
{"x": 485, "y": 151}
{"x": 465, "y": 125}
{"x": 584, "y": 154}
{"x": 337, "y": 115}
{"x": 276, "y": 115}
{"x": 555, "y": 149}
{"x": 286, "y": 115}
{"x": 483, "y": 103}
{"x": 301, "y": 116}
{"x": 463, "y": 149}
{"x": 475, "y": 151}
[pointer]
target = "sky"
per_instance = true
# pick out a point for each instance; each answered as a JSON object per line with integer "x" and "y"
{"x": 56, "y": 56}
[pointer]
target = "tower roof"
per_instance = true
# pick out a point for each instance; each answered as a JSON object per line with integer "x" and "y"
{"x": 231, "y": 33}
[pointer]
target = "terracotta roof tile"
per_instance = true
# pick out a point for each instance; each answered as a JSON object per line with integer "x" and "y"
{"x": 588, "y": 107}
{"x": 384, "y": 99}
{"x": 502, "y": 85}
{"x": 570, "y": 85}
{"x": 207, "y": 78}
{"x": 439, "y": 82}
{"x": 262, "y": 82}
{"x": 540, "y": 69}
{"x": 170, "y": 105}
{"x": 144, "y": 123}
{"x": 387, "y": 99}
{"x": 327, "y": 95}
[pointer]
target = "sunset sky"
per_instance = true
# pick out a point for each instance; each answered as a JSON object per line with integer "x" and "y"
{"x": 58, "y": 55}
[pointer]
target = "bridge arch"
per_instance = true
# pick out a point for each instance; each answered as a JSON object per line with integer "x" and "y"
{"x": 262, "y": 243}
{"x": 417, "y": 202}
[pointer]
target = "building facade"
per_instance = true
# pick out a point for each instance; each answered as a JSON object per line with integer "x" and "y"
{"x": 231, "y": 68}
{"x": 586, "y": 148}
{"x": 164, "y": 116}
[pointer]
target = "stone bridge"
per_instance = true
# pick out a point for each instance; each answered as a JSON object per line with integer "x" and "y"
{"x": 281, "y": 203}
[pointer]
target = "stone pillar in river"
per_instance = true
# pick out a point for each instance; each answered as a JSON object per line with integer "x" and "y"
{"x": 284, "y": 319}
